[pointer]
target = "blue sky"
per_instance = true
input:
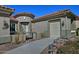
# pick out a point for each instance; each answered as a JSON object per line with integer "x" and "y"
{"x": 40, "y": 10}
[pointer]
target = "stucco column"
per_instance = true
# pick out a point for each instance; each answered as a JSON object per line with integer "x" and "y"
{"x": 17, "y": 39}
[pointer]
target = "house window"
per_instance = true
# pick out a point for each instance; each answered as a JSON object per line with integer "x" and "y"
{"x": 12, "y": 28}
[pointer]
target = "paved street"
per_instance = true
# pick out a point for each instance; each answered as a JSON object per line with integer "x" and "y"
{"x": 35, "y": 47}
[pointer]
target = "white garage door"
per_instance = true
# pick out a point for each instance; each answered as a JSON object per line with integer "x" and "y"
{"x": 55, "y": 29}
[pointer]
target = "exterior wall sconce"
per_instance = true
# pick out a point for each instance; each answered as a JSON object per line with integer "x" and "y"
{"x": 62, "y": 23}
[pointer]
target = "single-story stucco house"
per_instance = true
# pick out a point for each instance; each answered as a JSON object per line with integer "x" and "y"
{"x": 22, "y": 26}
{"x": 56, "y": 25}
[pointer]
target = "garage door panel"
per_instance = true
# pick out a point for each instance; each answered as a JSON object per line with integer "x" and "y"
{"x": 55, "y": 29}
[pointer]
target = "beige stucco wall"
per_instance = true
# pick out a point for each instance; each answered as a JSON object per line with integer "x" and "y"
{"x": 24, "y": 19}
{"x": 77, "y": 23}
{"x": 67, "y": 23}
{"x": 41, "y": 28}
{"x": 4, "y": 32}
{"x": 66, "y": 29}
{"x": 73, "y": 25}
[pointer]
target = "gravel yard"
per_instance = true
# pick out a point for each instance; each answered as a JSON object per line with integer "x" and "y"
{"x": 8, "y": 46}
{"x": 63, "y": 46}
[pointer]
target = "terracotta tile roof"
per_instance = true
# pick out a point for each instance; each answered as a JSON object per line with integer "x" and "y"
{"x": 7, "y": 10}
{"x": 13, "y": 19}
{"x": 24, "y": 14}
{"x": 53, "y": 15}
{"x": 77, "y": 18}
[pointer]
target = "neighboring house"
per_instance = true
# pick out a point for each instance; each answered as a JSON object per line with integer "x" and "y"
{"x": 55, "y": 25}
{"x": 24, "y": 24}
{"x": 5, "y": 14}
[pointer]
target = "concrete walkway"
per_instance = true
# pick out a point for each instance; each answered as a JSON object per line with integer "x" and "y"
{"x": 35, "y": 47}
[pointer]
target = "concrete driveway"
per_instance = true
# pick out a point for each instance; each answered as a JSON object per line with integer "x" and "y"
{"x": 35, "y": 47}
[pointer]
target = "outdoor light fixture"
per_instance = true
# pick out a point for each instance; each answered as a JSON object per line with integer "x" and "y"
{"x": 63, "y": 23}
